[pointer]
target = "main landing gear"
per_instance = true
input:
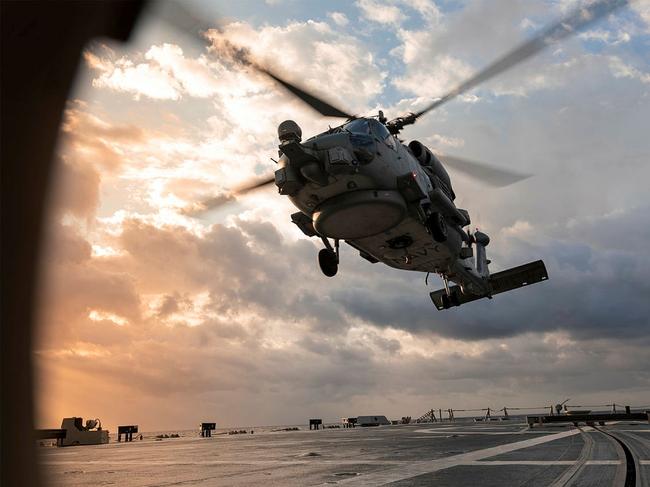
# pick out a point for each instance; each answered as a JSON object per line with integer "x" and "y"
{"x": 328, "y": 258}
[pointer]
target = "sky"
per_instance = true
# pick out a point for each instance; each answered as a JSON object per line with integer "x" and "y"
{"x": 150, "y": 314}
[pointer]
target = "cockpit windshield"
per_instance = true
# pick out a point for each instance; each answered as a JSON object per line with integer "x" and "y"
{"x": 379, "y": 129}
{"x": 359, "y": 126}
{"x": 363, "y": 132}
{"x": 368, "y": 126}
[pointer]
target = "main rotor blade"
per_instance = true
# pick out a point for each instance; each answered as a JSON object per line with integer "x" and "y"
{"x": 182, "y": 18}
{"x": 253, "y": 185}
{"x": 318, "y": 104}
{"x": 485, "y": 173}
{"x": 576, "y": 20}
{"x": 222, "y": 199}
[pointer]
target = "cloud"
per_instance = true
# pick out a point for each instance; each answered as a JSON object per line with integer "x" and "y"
{"x": 427, "y": 9}
{"x": 194, "y": 75}
{"x": 165, "y": 73}
{"x": 378, "y": 12}
{"x": 642, "y": 7}
{"x": 436, "y": 140}
{"x": 596, "y": 289}
{"x": 80, "y": 186}
{"x": 162, "y": 73}
{"x": 141, "y": 79}
{"x": 317, "y": 49}
{"x": 622, "y": 70}
{"x": 339, "y": 18}
{"x": 201, "y": 323}
{"x": 606, "y": 36}
{"x": 435, "y": 77}
{"x": 436, "y": 60}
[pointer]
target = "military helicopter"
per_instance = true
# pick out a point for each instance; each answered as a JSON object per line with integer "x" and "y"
{"x": 393, "y": 202}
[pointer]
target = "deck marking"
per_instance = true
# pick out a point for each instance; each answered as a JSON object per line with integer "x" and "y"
{"x": 572, "y": 473}
{"x": 419, "y": 468}
{"x": 432, "y": 431}
{"x": 622, "y": 474}
{"x": 540, "y": 462}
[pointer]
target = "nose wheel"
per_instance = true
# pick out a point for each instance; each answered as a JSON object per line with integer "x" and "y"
{"x": 328, "y": 258}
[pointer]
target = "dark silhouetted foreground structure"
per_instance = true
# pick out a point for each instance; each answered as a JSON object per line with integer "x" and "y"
{"x": 207, "y": 429}
{"x": 41, "y": 47}
{"x": 589, "y": 419}
{"x": 51, "y": 434}
{"x": 127, "y": 431}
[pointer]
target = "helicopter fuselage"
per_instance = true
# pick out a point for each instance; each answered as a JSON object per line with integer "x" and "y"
{"x": 360, "y": 184}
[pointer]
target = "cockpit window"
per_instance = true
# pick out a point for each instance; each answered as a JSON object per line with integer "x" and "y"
{"x": 379, "y": 129}
{"x": 359, "y": 126}
{"x": 371, "y": 127}
{"x": 381, "y": 132}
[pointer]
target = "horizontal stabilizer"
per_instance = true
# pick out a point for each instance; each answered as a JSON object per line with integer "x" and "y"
{"x": 500, "y": 282}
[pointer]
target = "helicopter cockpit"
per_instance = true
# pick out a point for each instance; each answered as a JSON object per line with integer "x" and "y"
{"x": 370, "y": 126}
{"x": 364, "y": 130}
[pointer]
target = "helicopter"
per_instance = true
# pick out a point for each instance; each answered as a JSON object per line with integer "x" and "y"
{"x": 393, "y": 201}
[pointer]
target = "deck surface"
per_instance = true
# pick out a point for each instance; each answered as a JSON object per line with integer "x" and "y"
{"x": 441, "y": 454}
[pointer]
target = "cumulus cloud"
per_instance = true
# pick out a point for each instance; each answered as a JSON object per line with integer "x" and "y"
{"x": 139, "y": 79}
{"x": 622, "y": 70}
{"x": 596, "y": 290}
{"x": 642, "y": 7}
{"x": 339, "y": 18}
{"x": 437, "y": 59}
{"x": 380, "y": 12}
{"x": 327, "y": 58}
{"x": 204, "y": 324}
{"x": 606, "y": 36}
{"x": 436, "y": 76}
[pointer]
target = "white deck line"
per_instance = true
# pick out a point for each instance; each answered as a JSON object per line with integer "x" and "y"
{"x": 414, "y": 469}
{"x": 472, "y": 432}
{"x": 541, "y": 462}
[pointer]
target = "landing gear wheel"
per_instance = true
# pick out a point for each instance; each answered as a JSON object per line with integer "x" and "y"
{"x": 437, "y": 226}
{"x": 328, "y": 262}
